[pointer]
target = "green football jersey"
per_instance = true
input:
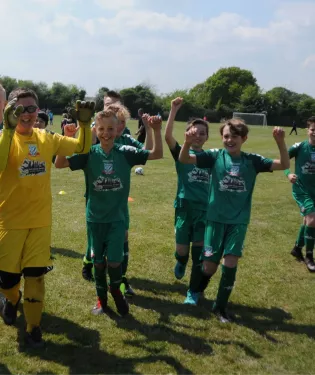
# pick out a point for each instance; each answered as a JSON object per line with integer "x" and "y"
{"x": 127, "y": 140}
{"x": 126, "y": 131}
{"x": 192, "y": 183}
{"x": 107, "y": 178}
{"x": 232, "y": 184}
{"x": 304, "y": 154}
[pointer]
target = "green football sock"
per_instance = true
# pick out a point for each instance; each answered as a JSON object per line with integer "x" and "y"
{"x": 225, "y": 287}
{"x": 309, "y": 239}
{"x": 115, "y": 276}
{"x": 100, "y": 282}
{"x": 126, "y": 258}
{"x": 300, "y": 241}
{"x": 182, "y": 259}
{"x": 197, "y": 277}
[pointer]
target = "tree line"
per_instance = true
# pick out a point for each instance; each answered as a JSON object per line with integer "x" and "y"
{"x": 226, "y": 91}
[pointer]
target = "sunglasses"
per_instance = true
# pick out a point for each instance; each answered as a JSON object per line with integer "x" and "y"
{"x": 30, "y": 109}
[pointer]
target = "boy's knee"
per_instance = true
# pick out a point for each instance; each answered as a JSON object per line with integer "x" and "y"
{"x": 209, "y": 268}
{"x": 100, "y": 266}
{"x": 8, "y": 280}
{"x": 310, "y": 220}
{"x": 230, "y": 261}
{"x": 114, "y": 264}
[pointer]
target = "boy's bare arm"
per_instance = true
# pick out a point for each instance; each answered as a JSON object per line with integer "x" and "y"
{"x": 155, "y": 122}
{"x": 184, "y": 156}
{"x": 169, "y": 138}
{"x": 284, "y": 161}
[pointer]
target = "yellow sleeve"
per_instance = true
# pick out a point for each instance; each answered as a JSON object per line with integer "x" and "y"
{"x": 5, "y": 144}
{"x": 66, "y": 146}
{"x": 84, "y": 140}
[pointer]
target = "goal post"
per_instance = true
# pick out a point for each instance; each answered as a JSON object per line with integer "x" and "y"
{"x": 252, "y": 118}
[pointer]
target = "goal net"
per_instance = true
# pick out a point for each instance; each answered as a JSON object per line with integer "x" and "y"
{"x": 252, "y": 118}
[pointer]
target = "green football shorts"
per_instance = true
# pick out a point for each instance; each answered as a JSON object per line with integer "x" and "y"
{"x": 189, "y": 225}
{"x": 223, "y": 239}
{"x": 107, "y": 240}
{"x": 305, "y": 203}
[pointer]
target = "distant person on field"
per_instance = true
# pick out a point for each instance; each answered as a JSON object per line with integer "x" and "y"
{"x": 303, "y": 191}
{"x": 51, "y": 118}
{"x": 294, "y": 127}
{"x": 191, "y": 201}
{"x": 233, "y": 177}
{"x": 141, "y": 133}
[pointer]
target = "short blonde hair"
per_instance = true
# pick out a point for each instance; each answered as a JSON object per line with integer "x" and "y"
{"x": 108, "y": 112}
{"x": 121, "y": 111}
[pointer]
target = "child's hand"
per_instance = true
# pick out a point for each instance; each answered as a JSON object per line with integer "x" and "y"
{"x": 11, "y": 115}
{"x": 190, "y": 135}
{"x": 292, "y": 178}
{"x": 145, "y": 119}
{"x": 70, "y": 130}
{"x": 176, "y": 103}
{"x": 155, "y": 122}
{"x": 278, "y": 134}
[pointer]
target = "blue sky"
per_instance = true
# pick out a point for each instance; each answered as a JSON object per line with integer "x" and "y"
{"x": 169, "y": 44}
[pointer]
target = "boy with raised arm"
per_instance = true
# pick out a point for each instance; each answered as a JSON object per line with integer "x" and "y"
{"x": 234, "y": 175}
{"x": 107, "y": 170}
{"x": 303, "y": 191}
{"x": 191, "y": 200}
{"x": 25, "y": 204}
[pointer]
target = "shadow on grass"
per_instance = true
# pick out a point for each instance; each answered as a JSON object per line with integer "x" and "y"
{"x": 66, "y": 253}
{"x": 83, "y": 354}
{"x": 4, "y": 370}
{"x": 157, "y": 287}
{"x": 261, "y": 320}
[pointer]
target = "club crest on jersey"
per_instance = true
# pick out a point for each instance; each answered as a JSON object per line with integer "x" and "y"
{"x": 313, "y": 156}
{"x": 235, "y": 170}
{"x": 208, "y": 251}
{"x": 108, "y": 167}
{"x": 32, "y": 150}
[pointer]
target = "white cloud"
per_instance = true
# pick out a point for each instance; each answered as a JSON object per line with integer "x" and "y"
{"x": 115, "y": 4}
{"x": 135, "y": 43}
{"x": 309, "y": 61}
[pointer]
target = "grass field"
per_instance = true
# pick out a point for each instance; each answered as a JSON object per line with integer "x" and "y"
{"x": 273, "y": 298}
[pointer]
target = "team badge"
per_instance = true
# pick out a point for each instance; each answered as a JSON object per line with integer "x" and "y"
{"x": 32, "y": 150}
{"x": 313, "y": 156}
{"x": 208, "y": 251}
{"x": 108, "y": 167}
{"x": 235, "y": 170}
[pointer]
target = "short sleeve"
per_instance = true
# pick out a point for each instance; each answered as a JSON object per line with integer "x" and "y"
{"x": 176, "y": 151}
{"x": 133, "y": 142}
{"x": 206, "y": 159}
{"x": 135, "y": 156}
{"x": 261, "y": 164}
{"x": 64, "y": 146}
{"x": 78, "y": 161}
{"x": 293, "y": 150}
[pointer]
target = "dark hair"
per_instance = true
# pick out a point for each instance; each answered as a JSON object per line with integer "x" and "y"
{"x": 237, "y": 127}
{"x": 197, "y": 121}
{"x": 113, "y": 94}
{"x": 43, "y": 116}
{"x": 22, "y": 92}
{"x": 310, "y": 121}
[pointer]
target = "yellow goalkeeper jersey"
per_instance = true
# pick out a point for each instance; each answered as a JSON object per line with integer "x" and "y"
{"x": 25, "y": 192}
